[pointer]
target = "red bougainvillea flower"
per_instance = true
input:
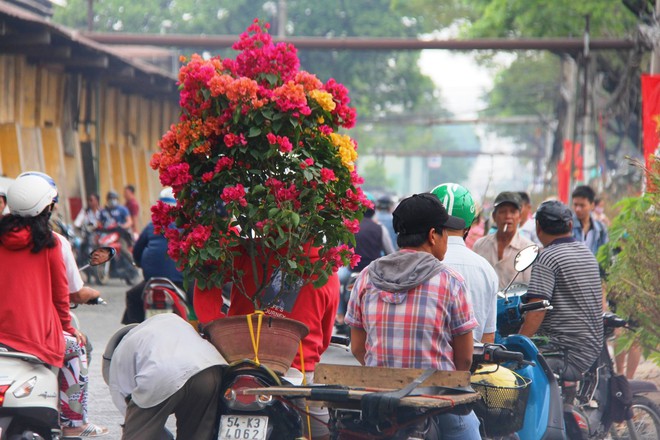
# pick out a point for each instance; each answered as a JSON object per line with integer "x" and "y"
{"x": 259, "y": 160}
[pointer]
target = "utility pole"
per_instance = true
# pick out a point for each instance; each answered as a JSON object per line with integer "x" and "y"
{"x": 281, "y": 18}
{"x": 588, "y": 138}
{"x": 90, "y": 15}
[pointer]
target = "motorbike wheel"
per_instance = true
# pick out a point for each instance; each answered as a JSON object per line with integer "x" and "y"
{"x": 645, "y": 423}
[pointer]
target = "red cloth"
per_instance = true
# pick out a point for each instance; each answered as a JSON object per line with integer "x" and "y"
{"x": 316, "y": 308}
{"x": 34, "y": 298}
{"x": 651, "y": 120}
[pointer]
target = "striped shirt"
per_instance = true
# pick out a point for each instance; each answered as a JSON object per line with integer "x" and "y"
{"x": 566, "y": 273}
{"x": 416, "y": 329}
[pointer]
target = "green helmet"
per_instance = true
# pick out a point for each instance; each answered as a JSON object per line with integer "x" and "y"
{"x": 457, "y": 200}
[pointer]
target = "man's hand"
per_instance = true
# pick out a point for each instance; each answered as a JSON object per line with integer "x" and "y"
{"x": 84, "y": 295}
{"x": 533, "y": 320}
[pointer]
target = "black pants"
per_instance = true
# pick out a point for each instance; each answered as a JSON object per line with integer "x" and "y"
{"x": 195, "y": 406}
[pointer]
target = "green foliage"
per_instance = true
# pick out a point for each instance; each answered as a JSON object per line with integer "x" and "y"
{"x": 632, "y": 261}
{"x": 375, "y": 175}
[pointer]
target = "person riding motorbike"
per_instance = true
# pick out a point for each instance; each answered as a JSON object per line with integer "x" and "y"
{"x": 566, "y": 273}
{"x": 38, "y": 284}
{"x": 78, "y": 292}
{"x": 150, "y": 253}
{"x": 372, "y": 241}
{"x": 480, "y": 277}
{"x": 313, "y": 306}
{"x": 408, "y": 310}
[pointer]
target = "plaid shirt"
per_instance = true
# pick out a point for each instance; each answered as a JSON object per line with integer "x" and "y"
{"x": 417, "y": 332}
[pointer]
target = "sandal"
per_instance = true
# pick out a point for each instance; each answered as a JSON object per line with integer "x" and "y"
{"x": 85, "y": 431}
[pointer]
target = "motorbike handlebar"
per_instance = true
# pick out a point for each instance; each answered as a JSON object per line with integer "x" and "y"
{"x": 495, "y": 353}
{"x": 505, "y": 356}
{"x": 537, "y": 305}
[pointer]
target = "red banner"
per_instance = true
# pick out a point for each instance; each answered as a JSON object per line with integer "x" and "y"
{"x": 564, "y": 172}
{"x": 650, "y": 116}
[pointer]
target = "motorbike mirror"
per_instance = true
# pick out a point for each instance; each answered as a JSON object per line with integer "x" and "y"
{"x": 101, "y": 255}
{"x": 526, "y": 257}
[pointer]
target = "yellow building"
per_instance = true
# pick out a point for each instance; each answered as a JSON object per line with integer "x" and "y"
{"x": 79, "y": 111}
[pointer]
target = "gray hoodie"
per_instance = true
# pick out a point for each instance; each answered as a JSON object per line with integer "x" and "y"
{"x": 396, "y": 274}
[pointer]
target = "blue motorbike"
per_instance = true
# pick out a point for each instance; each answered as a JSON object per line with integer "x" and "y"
{"x": 600, "y": 407}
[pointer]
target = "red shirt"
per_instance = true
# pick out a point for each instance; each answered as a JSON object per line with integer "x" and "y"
{"x": 34, "y": 298}
{"x": 316, "y": 308}
{"x": 133, "y": 207}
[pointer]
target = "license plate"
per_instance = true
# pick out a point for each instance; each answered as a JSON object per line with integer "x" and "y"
{"x": 153, "y": 312}
{"x": 243, "y": 427}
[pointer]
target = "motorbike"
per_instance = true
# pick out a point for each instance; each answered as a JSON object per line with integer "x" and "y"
{"x": 122, "y": 266}
{"x": 550, "y": 412}
{"x": 161, "y": 295}
{"x": 29, "y": 389}
{"x": 262, "y": 417}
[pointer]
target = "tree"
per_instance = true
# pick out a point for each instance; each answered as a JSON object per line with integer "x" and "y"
{"x": 632, "y": 260}
{"x": 612, "y": 74}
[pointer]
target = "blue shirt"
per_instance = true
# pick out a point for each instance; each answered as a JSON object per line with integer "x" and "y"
{"x": 595, "y": 237}
{"x": 150, "y": 253}
{"x": 113, "y": 217}
{"x": 481, "y": 281}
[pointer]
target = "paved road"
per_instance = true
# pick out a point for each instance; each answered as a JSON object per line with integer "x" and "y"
{"x": 99, "y": 323}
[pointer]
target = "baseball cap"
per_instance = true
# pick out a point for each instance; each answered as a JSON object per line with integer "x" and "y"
{"x": 421, "y": 212}
{"x": 553, "y": 216}
{"x": 508, "y": 197}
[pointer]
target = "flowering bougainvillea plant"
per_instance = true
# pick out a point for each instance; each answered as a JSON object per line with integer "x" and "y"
{"x": 260, "y": 137}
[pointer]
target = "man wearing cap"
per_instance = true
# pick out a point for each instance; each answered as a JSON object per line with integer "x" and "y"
{"x": 408, "y": 310}
{"x": 500, "y": 248}
{"x": 565, "y": 273}
{"x": 480, "y": 277}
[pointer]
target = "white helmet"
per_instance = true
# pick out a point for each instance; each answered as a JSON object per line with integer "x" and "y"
{"x": 167, "y": 196}
{"x": 29, "y": 195}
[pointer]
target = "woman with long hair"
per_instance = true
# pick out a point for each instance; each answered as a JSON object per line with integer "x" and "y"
{"x": 34, "y": 299}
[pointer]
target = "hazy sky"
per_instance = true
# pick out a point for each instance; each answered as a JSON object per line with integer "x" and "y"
{"x": 462, "y": 83}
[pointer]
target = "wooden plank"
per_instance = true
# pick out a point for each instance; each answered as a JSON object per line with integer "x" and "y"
{"x": 105, "y": 170}
{"x": 32, "y": 155}
{"x": 32, "y": 37}
{"x": 10, "y": 144}
{"x": 345, "y": 396}
{"x": 52, "y": 85}
{"x": 380, "y": 377}
{"x": 53, "y": 152}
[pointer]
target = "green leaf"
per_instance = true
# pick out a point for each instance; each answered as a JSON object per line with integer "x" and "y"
{"x": 254, "y": 132}
{"x": 295, "y": 219}
{"x": 292, "y": 264}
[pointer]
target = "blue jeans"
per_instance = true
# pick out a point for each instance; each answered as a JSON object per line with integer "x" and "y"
{"x": 455, "y": 427}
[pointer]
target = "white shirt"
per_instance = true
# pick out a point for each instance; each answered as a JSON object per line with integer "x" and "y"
{"x": 72, "y": 274}
{"x": 481, "y": 281}
{"x": 155, "y": 359}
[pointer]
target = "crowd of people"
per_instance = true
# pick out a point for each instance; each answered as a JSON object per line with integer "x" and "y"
{"x": 426, "y": 291}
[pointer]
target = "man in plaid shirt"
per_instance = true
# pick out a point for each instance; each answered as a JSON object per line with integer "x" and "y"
{"x": 408, "y": 310}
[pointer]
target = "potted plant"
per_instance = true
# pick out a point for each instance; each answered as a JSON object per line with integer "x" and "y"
{"x": 260, "y": 138}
